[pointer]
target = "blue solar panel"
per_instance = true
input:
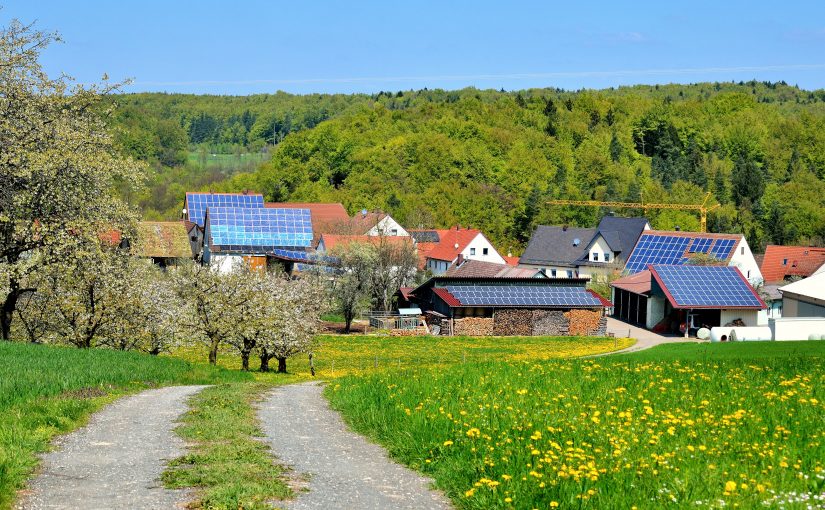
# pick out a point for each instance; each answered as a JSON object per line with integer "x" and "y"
{"x": 256, "y": 230}
{"x": 707, "y": 286}
{"x": 670, "y": 249}
{"x": 197, "y": 203}
{"x": 523, "y": 295}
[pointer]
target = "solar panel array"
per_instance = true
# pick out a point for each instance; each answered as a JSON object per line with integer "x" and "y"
{"x": 527, "y": 295}
{"x": 197, "y": 203}
{"x": 711, "y": 286}
{"x": 246, "y": 229}
{"x": 673, "y": 250}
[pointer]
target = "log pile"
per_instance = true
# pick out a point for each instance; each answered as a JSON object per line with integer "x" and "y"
{"x": 550, "y": 323}
{"x": 419, "y": 331}
{"x": 513, "y": 322}
{"x": 474, "y": 326}
{"x": 584, "y": 322}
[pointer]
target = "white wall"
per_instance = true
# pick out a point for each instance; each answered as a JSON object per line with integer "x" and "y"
{"x": 561, "y": 272}
{"x": 226, "y": 263}
{"x": 655, "y": 311}
{"x": 749, "y": 317}
{"x": 479, "y": 244}
{"x": 746, "y": 263}
{"x": 796, "y": 328}
{"x": 437, "y": 267}
{"x": 598, "y": 248}
{"x": 388, "y": 227}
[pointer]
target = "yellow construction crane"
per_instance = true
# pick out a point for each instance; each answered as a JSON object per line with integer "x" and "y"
{"x": 702, "y": 208}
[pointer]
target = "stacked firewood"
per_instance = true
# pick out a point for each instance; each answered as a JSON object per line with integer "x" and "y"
{"x": 513, "y": 322}
{"x": 474, "y": 326}
{"x": 584, "y": 322}
{"x": 550, "y": 323}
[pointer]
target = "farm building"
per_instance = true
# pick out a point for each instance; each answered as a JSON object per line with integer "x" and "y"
{"x": 666, "y": 297}
{"x": 782, "y": 263}
{"x": 258, "y": 236}
{"x": 166, "y": 243}
{"x": 565, "y": 252}
{"x": 677, "y": 248}
{"x": 440, "y": 249}
{"x": 805, "y": 298}
{"x": 511, "y": 306}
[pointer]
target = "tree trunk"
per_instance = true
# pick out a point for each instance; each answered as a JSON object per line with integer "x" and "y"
{"x": 347, "y": 324}
{"x": 264, "y": 362}
{"x": 9, "y": 306}
{"x": 213, "y": 351}
{"x": 245, "y": 361}
{"x": 281, "y": 365}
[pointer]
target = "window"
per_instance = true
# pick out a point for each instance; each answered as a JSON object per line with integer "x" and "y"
{"x": 749, "y": 273}
{"x": 607, "y": 257}
{"x": 485, "y": 251}
{"x": 394, "y": 231}
{"x": 569, "y": 273}
{"x": 553, "y": 273}
{"x": 595, "y": 256}
{"x": 472, "y": 251}
{"x": 784, "y": 262}
{"x": 743, "y": 250}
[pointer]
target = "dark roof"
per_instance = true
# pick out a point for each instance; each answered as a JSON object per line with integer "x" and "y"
{"x": 554, "y": 245}
{"x": 442, "y": 281}
{"x": 506, "y": 296}
{"x": 625, "y": 231}
{"x": 425, "y": 236}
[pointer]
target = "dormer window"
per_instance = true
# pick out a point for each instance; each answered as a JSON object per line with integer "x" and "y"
{"x": 607, "y": 257}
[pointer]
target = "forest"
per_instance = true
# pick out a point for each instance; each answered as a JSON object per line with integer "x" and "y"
{"x": 491, "y": 159}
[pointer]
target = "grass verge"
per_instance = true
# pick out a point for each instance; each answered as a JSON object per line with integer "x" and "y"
{"x": 47, "y": 390}
{"x": 227, "y": 462}
{"x": 679, "y": 425}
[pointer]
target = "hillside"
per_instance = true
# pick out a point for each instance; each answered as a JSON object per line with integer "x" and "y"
{"x": 490, "y": 159}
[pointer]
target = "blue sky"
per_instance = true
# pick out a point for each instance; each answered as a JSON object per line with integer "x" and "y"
{"x": 245, "y": 47}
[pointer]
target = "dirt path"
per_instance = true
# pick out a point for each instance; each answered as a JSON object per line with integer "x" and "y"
{"x": 345, "y": 470}
{"x": 645, "y": 339}
{"x": 116, "y": 460}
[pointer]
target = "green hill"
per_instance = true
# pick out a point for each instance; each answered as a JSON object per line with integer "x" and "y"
{"x": 491, "y": 159}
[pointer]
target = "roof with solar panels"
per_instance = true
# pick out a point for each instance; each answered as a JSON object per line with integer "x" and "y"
{"x": 677, "y": 248}
{"x": 485, "y": 292}
{"x": 704, "y": 287}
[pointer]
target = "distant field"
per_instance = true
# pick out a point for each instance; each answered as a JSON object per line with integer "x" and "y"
{"x": 338, "y": 355}
{"x": 45, "y": 391}
{"x": 683, "y": 426}
{"x": 247, "y": 160}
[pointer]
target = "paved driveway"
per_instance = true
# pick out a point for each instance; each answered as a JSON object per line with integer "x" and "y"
{"x": 645, "y": 339}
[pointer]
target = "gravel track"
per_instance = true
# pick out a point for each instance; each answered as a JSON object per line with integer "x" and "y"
{"x": 115, "y": 461}
{"x": 345, "y": 470}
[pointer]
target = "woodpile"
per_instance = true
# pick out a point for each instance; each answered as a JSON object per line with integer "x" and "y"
{"x": 513, "y": 322}
{"x": 474, "y": 326}
{"x": 419, "y": 331}
{"x": 584, "y": 322}
{"x": 550, "y": 323}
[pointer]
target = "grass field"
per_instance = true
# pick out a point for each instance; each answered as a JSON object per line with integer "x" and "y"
{"x": 734, "y": 425}
{"x": 338, "y": 355}
{"x": 47, "y": 390}
{"x": 247, "y": 160}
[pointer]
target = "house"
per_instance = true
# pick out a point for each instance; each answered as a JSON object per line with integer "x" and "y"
{"x": 510, "y": 306}
{"x": 327, "y": 218}
{"x": 666, "y": 297}
{"x": 258, "y": 236}
{"x": 194, "y": 209}
{"x": 440, "y": 249}
{"x": 376, "y": 223}
{"x": 783, "y": 263}
{"x": 805, "y": 298}
{"x": 678, "y": 248}
{"x": 470, "y": 268}
{"x": 570, "y": 252}
{"x": 166, "y": 243}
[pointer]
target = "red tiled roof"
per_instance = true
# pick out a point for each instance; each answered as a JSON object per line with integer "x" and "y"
{"x": 452, "y": 244}
{"x": 801, "y": 261}
{"x": 423, "y": 250}
{"x": 332, "y": 241}
{"x": 406, "y": 292}
{"x": 638, "y": 283}
{"x": 362, "y": 223}
{"x": 445, "y": 296}
{"x": 511, "y": 261}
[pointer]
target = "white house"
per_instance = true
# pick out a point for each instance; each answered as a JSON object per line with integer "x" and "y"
{"x": 376, "y": 224}
{"x": 453, "y": 246}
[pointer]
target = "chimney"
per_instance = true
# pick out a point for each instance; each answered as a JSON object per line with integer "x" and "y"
{"x": 678, "y": 228}
{"x": 458, "y": 227}
{"x": 459, "y": 260}
{"x": 245, "y": 192}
